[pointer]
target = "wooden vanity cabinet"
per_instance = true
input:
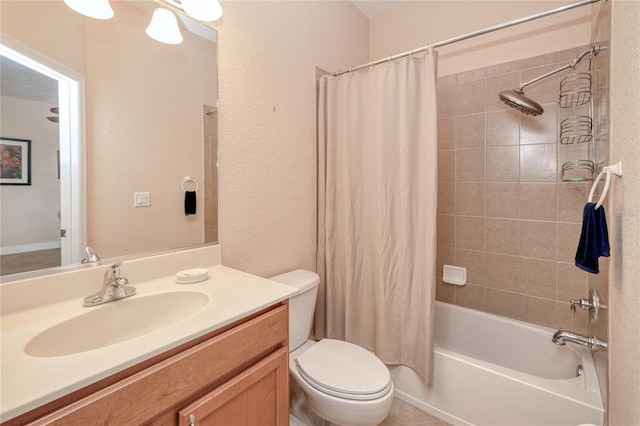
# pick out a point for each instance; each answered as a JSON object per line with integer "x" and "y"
{"x": 251, "y": 398}
{"x": 235, "y": 376}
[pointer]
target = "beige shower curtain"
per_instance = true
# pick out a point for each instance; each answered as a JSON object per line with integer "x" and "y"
{"x": 377, "y": 193}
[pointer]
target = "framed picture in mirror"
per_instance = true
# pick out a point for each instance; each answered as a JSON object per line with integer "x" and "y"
{"x": 15, "y": 165}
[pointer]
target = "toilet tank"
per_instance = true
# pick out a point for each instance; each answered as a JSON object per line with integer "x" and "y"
{"x": 302, "y": 305}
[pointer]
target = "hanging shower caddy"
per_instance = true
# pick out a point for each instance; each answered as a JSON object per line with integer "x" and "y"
{"x": 578, "y": 129}
{"x": 576, "y": 170}
{"x": 576, "y": 91}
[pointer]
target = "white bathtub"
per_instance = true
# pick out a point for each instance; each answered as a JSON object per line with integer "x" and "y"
{"x": 490, "y": 370}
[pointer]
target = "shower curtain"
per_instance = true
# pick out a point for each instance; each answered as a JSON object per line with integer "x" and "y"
{"x": 377, "y": 194}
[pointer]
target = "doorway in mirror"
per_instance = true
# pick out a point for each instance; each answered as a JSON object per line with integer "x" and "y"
{"x": 42, "y": 221}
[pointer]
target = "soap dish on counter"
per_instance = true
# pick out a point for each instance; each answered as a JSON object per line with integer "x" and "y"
{"x": 190, "y": 276}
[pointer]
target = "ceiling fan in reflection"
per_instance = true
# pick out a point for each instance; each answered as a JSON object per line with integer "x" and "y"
{"x": 54, "y": 118}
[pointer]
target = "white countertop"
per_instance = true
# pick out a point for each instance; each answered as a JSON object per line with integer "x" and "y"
{"x": 29, "y": 382}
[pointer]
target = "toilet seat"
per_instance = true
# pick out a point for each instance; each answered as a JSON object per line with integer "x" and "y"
{"x": 344, "y": 370}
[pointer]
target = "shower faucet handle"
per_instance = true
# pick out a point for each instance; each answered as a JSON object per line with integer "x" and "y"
{"x": 584, "y": 304}
{"x": 592, "y": 304}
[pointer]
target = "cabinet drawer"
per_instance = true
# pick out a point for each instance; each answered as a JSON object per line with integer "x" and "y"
{"x": 142, "y": 396}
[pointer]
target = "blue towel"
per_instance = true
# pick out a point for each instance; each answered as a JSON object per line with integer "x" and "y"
{"x": 594, "y": 239}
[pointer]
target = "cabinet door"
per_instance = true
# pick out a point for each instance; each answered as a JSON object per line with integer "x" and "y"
{"x": 259, "y": 396}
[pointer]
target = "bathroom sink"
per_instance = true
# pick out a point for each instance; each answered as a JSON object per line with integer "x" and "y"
{"x": 115, "y": 322}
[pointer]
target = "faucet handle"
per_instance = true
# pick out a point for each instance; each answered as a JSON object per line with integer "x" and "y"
{"x": 112, "y": 271}
{"x": 592, "y": 304}
{"x": 121, "y": 281}
{"x": 584, "y": 304}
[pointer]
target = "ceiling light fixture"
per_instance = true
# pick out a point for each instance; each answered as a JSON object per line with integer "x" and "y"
{"x": 202, "y": 10}
{"x": 164, "y": 27}
{"x": 98, "y": 9}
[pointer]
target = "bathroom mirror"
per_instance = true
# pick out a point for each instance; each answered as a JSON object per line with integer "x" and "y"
{"x": 147, "y": 133}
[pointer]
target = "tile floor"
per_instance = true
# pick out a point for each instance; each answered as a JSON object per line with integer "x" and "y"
{"x": 29, "y": 261}
{"x": 402, "y": 414}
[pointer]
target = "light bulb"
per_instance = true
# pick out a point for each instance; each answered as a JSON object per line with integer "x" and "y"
{"x": 203, "y": 10}
{"x": 98, "y": 9}
{"x": 164, "y": 27}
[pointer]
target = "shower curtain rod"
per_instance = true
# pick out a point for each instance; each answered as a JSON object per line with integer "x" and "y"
{"x": 470, "y": 35}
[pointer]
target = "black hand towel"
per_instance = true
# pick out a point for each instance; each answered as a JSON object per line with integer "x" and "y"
{"x": 594, "y": 239}
{"x": 189, "y": 202}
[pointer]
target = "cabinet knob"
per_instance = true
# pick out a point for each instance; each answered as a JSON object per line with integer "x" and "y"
{"x": 192, "y": 420}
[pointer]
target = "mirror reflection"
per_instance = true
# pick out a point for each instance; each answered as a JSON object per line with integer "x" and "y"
{"x": 115, "y": 121}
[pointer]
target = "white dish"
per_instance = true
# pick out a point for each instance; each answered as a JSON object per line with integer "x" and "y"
{"x": 190, "y": 276}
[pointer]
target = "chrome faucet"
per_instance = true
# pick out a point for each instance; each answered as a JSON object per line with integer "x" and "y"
{"x": 593, "y": 304}
{"x": 92, "y": 256}
{"x": 114, "y": 287}
{"x": 561, "y": 337}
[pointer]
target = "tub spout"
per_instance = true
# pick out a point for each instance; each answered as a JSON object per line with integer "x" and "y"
{"x": 561, "y": 337}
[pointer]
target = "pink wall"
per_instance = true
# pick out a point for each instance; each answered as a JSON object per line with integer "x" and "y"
{"x": 624, "y": 208}
{"x": 267, "y": 59}
{"x": 150, "y": 142}
{"x": 135, "y": 87}
{"x": 62, "y": 43}
{"x": 419, "y": 23}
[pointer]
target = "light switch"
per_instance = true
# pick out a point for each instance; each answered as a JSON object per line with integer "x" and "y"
{"x": 141, "y": 199}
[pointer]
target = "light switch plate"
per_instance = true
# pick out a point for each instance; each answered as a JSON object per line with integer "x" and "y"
{"x": 141, "y": 199}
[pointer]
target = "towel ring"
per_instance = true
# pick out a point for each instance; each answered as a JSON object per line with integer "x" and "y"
{"x": 616, "y": 169}
{"x": 188, "y": 179}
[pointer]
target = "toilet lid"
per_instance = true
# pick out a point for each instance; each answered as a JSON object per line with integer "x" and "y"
{"x": 344, "y": 370}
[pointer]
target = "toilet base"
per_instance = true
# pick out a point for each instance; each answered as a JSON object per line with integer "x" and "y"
{"x": 300, "y": 408}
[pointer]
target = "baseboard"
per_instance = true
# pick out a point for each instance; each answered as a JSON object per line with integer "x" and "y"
{"x": 48, "y": 245}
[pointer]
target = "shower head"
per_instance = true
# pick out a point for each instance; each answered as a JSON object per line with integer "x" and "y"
{"x": 516, "y": 99}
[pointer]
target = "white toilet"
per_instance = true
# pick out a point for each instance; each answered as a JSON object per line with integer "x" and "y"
{"x": 341, "y": 382}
